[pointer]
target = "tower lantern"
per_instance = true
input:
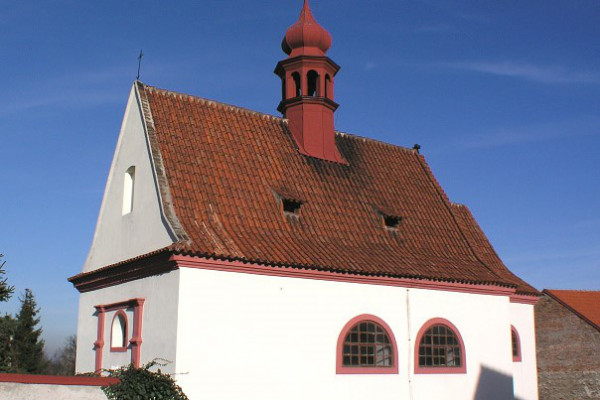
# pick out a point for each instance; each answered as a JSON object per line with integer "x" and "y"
{"x": 307, "y": 77}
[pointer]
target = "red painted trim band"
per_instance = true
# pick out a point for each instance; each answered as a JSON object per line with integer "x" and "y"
{"x": 136, "y": 339}
{"x": 260, "y": 269}
{"x": 99, "y": 343}
{"x": 524, "y": 299}
{"x": 59, "y": 380}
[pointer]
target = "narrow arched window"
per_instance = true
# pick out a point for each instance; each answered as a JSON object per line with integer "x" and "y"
{"x": 128, "y": 187}
{"x": 440, "y": 348}
{"x": 327, "y": 86}
{"x": 515, "y": 344}
{"x": 118, "y": 332}
{"x": 313, "y": 83}
{"x": 366, "y": 345}
{"x": 298, "y": 87}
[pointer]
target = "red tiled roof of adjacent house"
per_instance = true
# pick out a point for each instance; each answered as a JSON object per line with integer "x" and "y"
{"x": 585, "y": 304}
{"x": 223, "y": 171}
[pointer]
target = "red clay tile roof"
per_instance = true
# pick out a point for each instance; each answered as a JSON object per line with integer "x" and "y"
{"x": 223, "y": 170}
{"x": 585, "y": 304}
{"x": 484, "y": 249}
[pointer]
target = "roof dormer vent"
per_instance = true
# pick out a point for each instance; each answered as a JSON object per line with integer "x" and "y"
{"x": 391, "y": 222}
{"x": 291, "y": 207}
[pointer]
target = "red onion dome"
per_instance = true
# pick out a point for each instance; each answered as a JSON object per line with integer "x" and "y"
{"x": 306, "y": 36}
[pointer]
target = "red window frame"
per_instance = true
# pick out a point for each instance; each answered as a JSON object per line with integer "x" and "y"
{"x": 462, "y": 369}
{"x": 119, "y": 313}
{"x": 345, "y": 369}
{"x": 135, "y": 343}
{"x": 515, "y": 344}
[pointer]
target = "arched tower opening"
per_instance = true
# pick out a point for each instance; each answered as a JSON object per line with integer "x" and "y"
{"x": 297, "y": 84}
{"x": 312, "y": 78}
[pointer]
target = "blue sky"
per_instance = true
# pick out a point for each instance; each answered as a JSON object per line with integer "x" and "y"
{"x": 503, "y": 97}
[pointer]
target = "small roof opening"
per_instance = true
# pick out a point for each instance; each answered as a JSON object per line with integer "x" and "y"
{"x": 291, "y": 206}
{"x": 391, "y": 221}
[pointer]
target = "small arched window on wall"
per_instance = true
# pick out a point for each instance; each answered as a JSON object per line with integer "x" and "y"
{"x": 118, "y": 332}
{"x": 516, "y": 344}
{"x": 128, "y": 186}
{"x": 366, "y": 345}
{"x": 439, "y": 348}
{"x": 297, "y": 86}
{"x": 313, "y": 83}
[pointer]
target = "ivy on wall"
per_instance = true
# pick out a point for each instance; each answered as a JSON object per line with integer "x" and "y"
{"x": 143, "y": 384}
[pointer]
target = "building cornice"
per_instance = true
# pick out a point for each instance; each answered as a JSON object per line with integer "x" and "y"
{"x": 154, "y": 264}
{"x": 524, "y": 299}
{"x": 167, "y": 260}
{"x": 184, "y": 261}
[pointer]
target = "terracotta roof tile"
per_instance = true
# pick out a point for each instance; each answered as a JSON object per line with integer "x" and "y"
{"x": 585, "y": 304}
{"x": 226, "y": 169}
{"x": 484, "y": 250}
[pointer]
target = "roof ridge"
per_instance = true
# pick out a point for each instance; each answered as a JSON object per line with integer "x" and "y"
{"x": 368, "y": 139}
{"x": 573, "y": 290}
{"x": 210, "y": 102}
{"x": 232, "y": 107}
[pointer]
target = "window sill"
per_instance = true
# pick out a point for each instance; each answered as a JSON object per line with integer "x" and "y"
{"x": 366, "y": 370}
{"x": 118, "y": 349}
{"x": 441, "y": 370}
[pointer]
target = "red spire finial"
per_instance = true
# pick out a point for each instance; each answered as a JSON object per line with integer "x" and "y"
{"x": 306, "y": 36}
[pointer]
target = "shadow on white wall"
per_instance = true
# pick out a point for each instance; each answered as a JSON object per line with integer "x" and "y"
{"x": 494, "y": 385}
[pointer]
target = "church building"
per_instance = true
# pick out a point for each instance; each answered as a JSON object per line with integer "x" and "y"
{"x": 273, "y": 257}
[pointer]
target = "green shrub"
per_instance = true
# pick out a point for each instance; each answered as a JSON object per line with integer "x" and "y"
{"x": 143, "y": 384}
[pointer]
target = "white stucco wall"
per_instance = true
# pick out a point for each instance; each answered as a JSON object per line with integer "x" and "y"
{"x": 525, "y": 372}
{"x": 159, "y": 322}
{"x": 484, "y": 323}
{"x": 263, "y": 337}
{"x": 119, "y": 237}
{"x": 17, "y": 391}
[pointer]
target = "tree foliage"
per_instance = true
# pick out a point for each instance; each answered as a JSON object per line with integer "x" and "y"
{"x": 7, "y": 334}
{"x": 27, "y": 344}
{"x": 63, "y": 362}
{"x": 5, "y": 289}
{"x": 7, "y": 324}
{"x": 143, "y": 384}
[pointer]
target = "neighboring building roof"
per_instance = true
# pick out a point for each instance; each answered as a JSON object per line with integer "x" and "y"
{"x": 585, "y": 304}
{"x": 223, "y": 170}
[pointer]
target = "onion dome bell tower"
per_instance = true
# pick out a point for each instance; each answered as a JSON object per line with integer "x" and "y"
{"x": 307, "y": 87}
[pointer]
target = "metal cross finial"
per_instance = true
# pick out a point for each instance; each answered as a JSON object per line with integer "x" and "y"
{"x": 139, "y": 64}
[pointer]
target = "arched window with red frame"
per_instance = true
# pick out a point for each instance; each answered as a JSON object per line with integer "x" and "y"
{"x": 366, "y": 345}
{"x": 515, "y": 344}
{"x": 439, "y": 349}
{"x": 118, "y": 332}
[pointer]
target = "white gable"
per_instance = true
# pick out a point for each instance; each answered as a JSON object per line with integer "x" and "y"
{"x": 131, "y": 222}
